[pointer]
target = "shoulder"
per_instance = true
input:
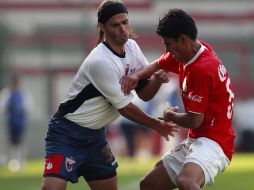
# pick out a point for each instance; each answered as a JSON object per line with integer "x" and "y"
{"x": 98, "y": 57}
{"x": 98, "y": 63}
{"x": 209, "y": 57}
{"x": 132, "y": 44}
{"x": 205, "y": 68}
{"x": 207, "y": 46}
{"x": 98, "y": 53}
{"x": 207, "y": 63}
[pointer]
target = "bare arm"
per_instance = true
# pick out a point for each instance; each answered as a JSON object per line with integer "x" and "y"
{"x": 150, "y": 90}
{"x": 130, "y": 82}
{"x": 135, "y": 114}
{"x": 148, "y": 71}
{"x": 186, "y": 120}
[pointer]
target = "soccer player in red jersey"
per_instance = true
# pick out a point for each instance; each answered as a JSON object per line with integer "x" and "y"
{"x": 208, "y": 101}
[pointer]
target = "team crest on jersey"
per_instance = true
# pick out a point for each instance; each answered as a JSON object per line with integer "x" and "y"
{"x": 127, "y": 69}
{"x": 69, "y": 162}
{"x": 184, "y": 86}
{"x": 49, "y": 166}
{"x": 222, "y": 72}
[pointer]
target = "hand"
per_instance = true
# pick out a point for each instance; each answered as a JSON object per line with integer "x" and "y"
{"x": 169, "y": 111}
{"x": 161, "y": 76}
{"x": 128, "y": 83}
{"x": 167, "y": 129}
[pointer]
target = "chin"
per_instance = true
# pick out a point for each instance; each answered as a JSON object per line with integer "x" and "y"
{"x": 123, "y": 41}
{"x": 178, "y": 59}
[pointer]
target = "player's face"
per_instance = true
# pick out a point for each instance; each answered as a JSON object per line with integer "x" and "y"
{"x": 117, "y": 29}
{"x": 176, "y": 47}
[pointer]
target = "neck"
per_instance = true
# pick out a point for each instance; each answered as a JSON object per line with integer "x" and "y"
{"x": 121, "y": 55}
{"x": 196, "y": 46}
{"x": 117, "y": 48}
{"x": 193, "y": 49}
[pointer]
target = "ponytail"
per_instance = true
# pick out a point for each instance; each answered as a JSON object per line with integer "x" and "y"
{"x": 100, "y": 37}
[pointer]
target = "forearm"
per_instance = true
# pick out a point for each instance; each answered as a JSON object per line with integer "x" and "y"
{"x": 134, "y": 113}
{"x": 130, "y": 82}
{"x": 148, "y": 71}
{"x": 185, "y": 120}
{"x": 150, "y": 90}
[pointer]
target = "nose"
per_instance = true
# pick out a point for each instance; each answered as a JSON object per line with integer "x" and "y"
{"x": 167, "y": 49}
{"x": 122, "y": 28}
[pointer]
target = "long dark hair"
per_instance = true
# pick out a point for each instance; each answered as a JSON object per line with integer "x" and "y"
{"x": 101, "y": 8}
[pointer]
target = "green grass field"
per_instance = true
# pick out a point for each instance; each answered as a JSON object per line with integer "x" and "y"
{"x": 239, "y": 176}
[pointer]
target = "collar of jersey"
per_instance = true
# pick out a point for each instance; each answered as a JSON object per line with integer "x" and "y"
{"x": 113, "y": 51}
{"x": 201, "y": 49}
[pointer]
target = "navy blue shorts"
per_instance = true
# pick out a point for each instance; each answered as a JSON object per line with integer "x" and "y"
{"x": 73, "y": 151}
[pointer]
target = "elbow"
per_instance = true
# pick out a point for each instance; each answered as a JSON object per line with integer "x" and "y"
{"x": 197, "y": 124}
{"x": 123, "y": 111}
{"x": 146, "y": 99}
{"x": 195, "y": 120}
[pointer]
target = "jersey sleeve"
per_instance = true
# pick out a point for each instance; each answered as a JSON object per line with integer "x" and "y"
{"x": 168, "y": 63}
{"x": 106, "y": 80}
{"x": 198, "y": 84}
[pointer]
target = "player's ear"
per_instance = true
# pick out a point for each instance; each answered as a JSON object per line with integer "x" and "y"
{"x": 101, "y": 27}
{"x": 183, "y": 39}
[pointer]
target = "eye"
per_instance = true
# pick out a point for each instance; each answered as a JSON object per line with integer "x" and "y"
{"x": 166, "y": 45}
{"x": 115, "y": 25}
{"x": 125, "y": 22}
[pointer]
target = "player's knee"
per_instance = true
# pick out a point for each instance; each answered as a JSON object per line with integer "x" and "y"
{"x": 46, "y": 186}
{"x": 144, "y": 184}
{"x": 43, "y": 186}
{"x": 53, "y": 184}
{"x": 186, "y": 183}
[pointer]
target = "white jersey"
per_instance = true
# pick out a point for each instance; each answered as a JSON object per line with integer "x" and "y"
{"x": 95, "y": 93}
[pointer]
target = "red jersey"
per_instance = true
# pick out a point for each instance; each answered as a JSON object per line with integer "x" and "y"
{"x": 205, "y": 88}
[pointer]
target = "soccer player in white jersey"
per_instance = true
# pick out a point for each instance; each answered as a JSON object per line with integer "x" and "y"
{"x": 75, "y": 142}
{"x": 208, "y": 100}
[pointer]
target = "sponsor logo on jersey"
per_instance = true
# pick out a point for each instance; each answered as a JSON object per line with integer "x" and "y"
{"x": 189, "y": 96}
{"x": 194, "y": 98}
{"x": 222, "y": 73}
{"x": 69, "y": 162}
{"x": 132, "y": 70}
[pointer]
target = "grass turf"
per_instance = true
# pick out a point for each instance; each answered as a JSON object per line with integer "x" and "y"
{"x": 239, "y": 175}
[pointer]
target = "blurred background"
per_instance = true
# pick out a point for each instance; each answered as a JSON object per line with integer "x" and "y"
{"x": 43, "y": 42}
